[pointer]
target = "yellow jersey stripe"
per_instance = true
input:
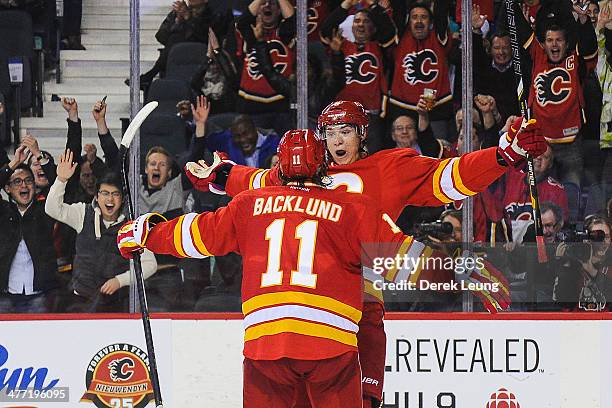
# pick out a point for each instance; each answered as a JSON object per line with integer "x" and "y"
{"x": 458, "y": 182}
{"x": 437, "y": 181}
{"x": 178, "y": 237}
{"x": 197, "y": 238}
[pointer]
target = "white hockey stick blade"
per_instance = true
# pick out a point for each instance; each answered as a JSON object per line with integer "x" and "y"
{"x": 136, "y": 122}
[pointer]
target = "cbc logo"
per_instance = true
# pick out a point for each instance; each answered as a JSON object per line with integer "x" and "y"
{"x": 503, "y": 398}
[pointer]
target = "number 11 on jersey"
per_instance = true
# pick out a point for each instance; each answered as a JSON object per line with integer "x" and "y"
{"x": 306, "y": 232}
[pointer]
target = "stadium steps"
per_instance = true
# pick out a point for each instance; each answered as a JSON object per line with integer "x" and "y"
{"x": 100, "y": 70}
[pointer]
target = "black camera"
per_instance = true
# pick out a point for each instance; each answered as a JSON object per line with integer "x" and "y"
{"x": 579, "y": 241}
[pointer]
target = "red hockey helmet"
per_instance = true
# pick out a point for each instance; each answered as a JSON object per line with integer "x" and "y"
{"x": 300, "y": 154}
{"x": 344, "y": 112}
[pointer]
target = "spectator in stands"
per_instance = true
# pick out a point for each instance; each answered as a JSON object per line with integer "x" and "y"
{"x": 187, "y": 22}
{"x": 540, "y": 15}
{"x": 485, "y": 128}
{"x": 494, "y": 74}
{"x": 404, "y": 133}
{"x": 97, "y": 286}
{"x": 243, "y": 142}
{"x": 585, "y": 281}
{"x": 421, "y": 66}
{"x": 517, "y": 199}
{"x": 559, "y": 109}
{"x": 27, "y": 260}
{"x": 217, "y": 78}
{"x": 593, "y": 11}
{"x": 163, "y": 184}
{"x": 604, "y": 76}
{"x": 268, "y": 108}
{"x": 362, "y": 59}
{"x": 40, "y": 163}
{"x": 323, "y": 84}
{"x": 71, "y": 29}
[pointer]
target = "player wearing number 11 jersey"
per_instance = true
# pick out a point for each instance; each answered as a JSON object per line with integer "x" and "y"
{"x": 302, "y": 287}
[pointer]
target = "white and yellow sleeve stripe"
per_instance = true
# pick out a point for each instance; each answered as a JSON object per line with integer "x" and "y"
{"x": 447, "y": 183}
{"x": 187, "y": 238}
{"x": 258, "y": 179}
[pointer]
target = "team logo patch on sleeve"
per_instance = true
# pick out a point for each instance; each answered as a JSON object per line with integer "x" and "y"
{"x": 118, "y": 376}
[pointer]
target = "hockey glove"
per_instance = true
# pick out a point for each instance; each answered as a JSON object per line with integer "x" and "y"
{"x": 132, "y": 236}
{"x": 485, "y": 281}
{"x": 210, "y": 178}
{"x": 523, "y": 138}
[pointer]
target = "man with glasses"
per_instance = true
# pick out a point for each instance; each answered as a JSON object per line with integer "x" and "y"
{"x": 97, "y": 286}
{"x": 27, "y": 258}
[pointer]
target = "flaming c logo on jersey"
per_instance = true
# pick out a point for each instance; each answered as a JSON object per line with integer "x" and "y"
{"x": 360, "y": 68}
{"x": 117, "y": 377}
{"x": 420, "y": 66}
{"x": 553, "y": 86}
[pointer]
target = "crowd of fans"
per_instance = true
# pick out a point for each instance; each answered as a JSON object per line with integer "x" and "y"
{"x": 401, "y": 60}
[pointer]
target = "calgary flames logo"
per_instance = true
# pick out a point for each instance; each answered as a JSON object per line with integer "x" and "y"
{"x": 420, "y": 66}
{"x": 121, "y": 369}
{"x": 118, "y": 376}
{"x": 553, "y": 86}
{"x": 278, "y": 54}
{"x": 360, "y": 68}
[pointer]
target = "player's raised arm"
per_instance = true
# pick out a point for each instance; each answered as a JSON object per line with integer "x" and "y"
{"x": 188, "y": 236}
{"x": 424, "y": 181}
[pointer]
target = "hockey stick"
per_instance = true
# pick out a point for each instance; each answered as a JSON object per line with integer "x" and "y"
{"x": 142, "y": 297}
{"x": 522, "y": 97}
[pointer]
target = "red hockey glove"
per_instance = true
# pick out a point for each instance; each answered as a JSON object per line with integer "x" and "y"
{"x": 523, "y": 138}
{"x": 210, "y": 178}
{"x": 132, "y": 236}
{"x": 485, "y": 281}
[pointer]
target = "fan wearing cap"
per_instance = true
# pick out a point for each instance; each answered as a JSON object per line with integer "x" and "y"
{"x": 302, "y": 279}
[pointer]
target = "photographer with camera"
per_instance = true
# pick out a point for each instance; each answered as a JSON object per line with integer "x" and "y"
{"x": 583, "y": 282}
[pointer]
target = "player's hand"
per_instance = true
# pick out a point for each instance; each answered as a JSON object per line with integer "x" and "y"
{"x": 132, "y": 236}
{"x": 523, "y": 138}
{"x": 496, "y": 293}
{"x": 210, "y": 178}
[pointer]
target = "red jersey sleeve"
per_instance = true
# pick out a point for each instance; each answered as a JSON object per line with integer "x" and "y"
{"x": 424, "y": 181}
{"x": 242, "y": 178}
{"x": 196, "y": 235}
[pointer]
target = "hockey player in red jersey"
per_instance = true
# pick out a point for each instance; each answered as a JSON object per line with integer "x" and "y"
{"x": 302, "y": 301}
{"x": 393, "y": 178}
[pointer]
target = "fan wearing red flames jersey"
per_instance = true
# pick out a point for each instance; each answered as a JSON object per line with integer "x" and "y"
{"x": 421, "y": 65}
{"x": 393, "y": 178}
{"x": 364, "y": 75}
{"x": 256, "y": 97}
{"x": 556, "y": 98}
{"x": 302, "y": 282}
